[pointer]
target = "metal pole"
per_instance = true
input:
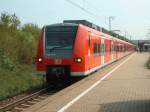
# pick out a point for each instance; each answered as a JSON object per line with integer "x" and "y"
{"x": 109, "y": 19}
{"x": 125, "y": 34}
{"x": 109, "y": 23}
{"x": 130, "y": 37}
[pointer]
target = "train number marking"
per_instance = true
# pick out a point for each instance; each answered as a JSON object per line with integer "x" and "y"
{"x": 57, "y": 61}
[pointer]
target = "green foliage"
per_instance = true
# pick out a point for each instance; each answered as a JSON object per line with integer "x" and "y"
{"x": 5, "y": 62}
{"x": 9, "y": 21}
{"x": 31, "y": 28}
{"x": 17, "y": 52}
{"x": 18, "y": 43}
{"x": 17, "y": 81}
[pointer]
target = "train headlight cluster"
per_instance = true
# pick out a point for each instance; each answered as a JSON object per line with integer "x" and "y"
{"x": 78, "y": 60}
{"x": 40, "y": 60}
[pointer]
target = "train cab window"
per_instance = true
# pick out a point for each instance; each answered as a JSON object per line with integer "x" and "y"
{"x": 59, "y": 40}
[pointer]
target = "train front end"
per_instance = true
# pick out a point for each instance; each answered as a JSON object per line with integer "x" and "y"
{"x": 55, "y": 51}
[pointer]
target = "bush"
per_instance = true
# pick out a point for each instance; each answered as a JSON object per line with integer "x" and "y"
{"x": 17, "y": 51}
{"x": 5, "y": 62}
{"x": 18, "y": 81}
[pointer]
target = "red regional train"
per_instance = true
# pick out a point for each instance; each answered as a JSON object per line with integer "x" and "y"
{"x": 77, "y": 48}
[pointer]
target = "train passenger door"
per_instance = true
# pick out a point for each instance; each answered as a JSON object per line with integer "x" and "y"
{"x": 115, "y": 49}
{"x": 102, "y": 51}
{"x": 89, "y": 50}
{"x": 112, "y": 50}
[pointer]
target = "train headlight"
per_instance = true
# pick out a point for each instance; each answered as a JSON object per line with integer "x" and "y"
{"x": 40, "y": 60}
{"x": 78, "y": 60}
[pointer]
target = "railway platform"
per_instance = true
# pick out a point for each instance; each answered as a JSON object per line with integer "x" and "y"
{"x": 123, "y": 86}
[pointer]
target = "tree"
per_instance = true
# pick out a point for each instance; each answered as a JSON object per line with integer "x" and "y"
{"x": 8, "y": 21}
{"x": 18, "y": 43}
{"x": 15, "y": 22}
{"x": 33, "y": 29}
{"x": 5, "y": 19}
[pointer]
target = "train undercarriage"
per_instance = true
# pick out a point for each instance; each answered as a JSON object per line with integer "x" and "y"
{"x": 57, "y": 74}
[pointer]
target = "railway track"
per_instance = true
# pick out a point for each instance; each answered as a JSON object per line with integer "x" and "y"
{"x": 27, "y": 101}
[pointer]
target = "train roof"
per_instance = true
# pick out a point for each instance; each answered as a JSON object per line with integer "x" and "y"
{"x": 60, "y": 27}
{"x": 62, "y": 24}
{"x": 98, "y": 28}
{"x": 84, "y": 22}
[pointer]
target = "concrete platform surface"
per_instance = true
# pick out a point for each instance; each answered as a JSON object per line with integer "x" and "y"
{"x": 126, "y": 89}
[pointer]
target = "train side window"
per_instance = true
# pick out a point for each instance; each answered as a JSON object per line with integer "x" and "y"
{"x": 112, "y": 48}
{"x": 99, "y": 48}
{"x": 95, "y": 48}
{"x": 89, "y": 39}
{"x": 118, "y": 48}
{"x": 105, "y": 48}
{"x": 125, "y": 48}
{"x": 115, "y": 48}
{"x": 102, "y": 47}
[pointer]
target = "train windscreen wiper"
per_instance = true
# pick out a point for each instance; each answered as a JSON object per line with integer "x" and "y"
{"x": 58, "y": 47}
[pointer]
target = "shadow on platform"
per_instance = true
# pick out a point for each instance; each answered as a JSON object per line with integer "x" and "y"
{"x": 126, "y": 106}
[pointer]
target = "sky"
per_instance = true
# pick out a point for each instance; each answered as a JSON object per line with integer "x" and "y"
{"x": 130, "y": 16}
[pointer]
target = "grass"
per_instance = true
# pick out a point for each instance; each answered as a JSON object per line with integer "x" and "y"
{"x": 21, "y": 79}
{"x": 148, "y": 63}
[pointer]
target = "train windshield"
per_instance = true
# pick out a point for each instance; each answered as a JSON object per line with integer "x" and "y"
{"x": 59, "y": 40}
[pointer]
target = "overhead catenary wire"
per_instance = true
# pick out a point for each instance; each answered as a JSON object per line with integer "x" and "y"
{"x": 94, "y": 7}
{"x": 82, "y": 8}
{"x": 87, "y": 11}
